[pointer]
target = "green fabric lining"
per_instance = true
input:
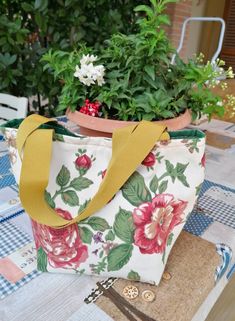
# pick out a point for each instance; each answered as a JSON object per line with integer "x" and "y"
{"x": 59, "y": 129}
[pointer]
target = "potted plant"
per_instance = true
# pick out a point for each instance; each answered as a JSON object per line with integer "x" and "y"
{"x": 131, "y": 78}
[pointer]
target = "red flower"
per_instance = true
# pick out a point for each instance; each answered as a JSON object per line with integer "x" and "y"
{"x": 203, "y": 160}
{"x": 154, "y": 222}
{"x": 91, "y": 109}
{"x": 83, "y": 163}
{"x": 149, "y": 160}
{"x": 103, "y": 173}
{"x": 63, "y": 246}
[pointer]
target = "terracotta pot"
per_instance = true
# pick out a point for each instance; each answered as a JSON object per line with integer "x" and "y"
{"x": 94, "y": 126}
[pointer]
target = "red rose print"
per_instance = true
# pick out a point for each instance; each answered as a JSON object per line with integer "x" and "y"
{"x": 149, "y": 160}
{"x": 83, "y": 163}
{"x": 154, "y": 222}
{"x": 63, "y": 247}
{"x": 203, "y": 160}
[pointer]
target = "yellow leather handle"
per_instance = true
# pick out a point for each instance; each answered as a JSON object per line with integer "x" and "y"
{"x": 130, "y": 146}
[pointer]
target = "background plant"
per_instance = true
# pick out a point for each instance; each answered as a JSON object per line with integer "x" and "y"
{"x": 28, "y": 29}
{"x": 140, "y": 82}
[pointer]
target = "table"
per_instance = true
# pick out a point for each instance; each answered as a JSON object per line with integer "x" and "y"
{"x": 42, "y": 296}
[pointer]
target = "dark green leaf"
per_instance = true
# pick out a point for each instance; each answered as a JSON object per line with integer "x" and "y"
{"x": 135, "y": 191}
{"x": 70, "y": 198}
{"x": 134, "y": 276}
{"x": 85, "y": 234}
{"x": 124, "y": 226}
{"x": 180, "y": 168}
{"x": 98, "y": 223}
{"x": 150, "y": 70}
{"x": 49, "y": 199}
{"x": 41, "y": 260}
{"x": 80, "y": 183}
{"x": 163, "y": 187}
{"x": 119, "y": 256}
{"x": 154, "y": 184}
{"x": 110, "y": 236}
{"x": 63, "y": 177}
{"x": 183, "y": 180}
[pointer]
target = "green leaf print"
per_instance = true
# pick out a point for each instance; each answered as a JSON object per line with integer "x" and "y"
{"x": 85, "y": 234}
{"x": 70, "y": 198}
{"x": 110, "y": 236}
{"x": 154, "y": 184}
{"x": 177, "y": 172}
{"x": 124, "y": 226}
{"x": 49, "y": 199}
{"x": 170, "y": 239}
{"x": 198, "y": 189}
{"x": 41, "y": 260}
{"x": 80, "y": 183}
{"x": 163, "y": 187}
{"x": 135, "y": 191}
{"x": 63, "y": 177}
{"x": 134, "y": 276}
{"x": 98, "y": 224}
{"x": 119, "y": 256}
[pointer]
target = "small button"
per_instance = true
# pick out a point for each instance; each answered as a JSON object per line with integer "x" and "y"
{"x": 130, "y": 292}
{"x": 148, "y": 296}
{"x": 166, "y": 276}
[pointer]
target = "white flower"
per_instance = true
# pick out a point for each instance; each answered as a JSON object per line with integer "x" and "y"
{"x": 219, "y": 103}
{"x": 88, "y": 74}
{"x": 86, "y": 59}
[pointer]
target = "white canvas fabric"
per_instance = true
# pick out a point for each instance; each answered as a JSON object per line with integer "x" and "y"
{"x": 132, "y": 236}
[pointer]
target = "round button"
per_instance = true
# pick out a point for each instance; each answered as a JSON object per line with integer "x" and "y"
{"x": 166, "y": 276}
{"x": 148, "y": 296}
{"x": 130, "y": 292}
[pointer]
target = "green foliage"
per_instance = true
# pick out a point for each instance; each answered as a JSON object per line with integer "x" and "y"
{"x": 140, "y": 82}
{"x": 28, "y": 29}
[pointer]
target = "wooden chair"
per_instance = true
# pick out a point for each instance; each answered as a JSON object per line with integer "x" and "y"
{"x": 12, "y": 107}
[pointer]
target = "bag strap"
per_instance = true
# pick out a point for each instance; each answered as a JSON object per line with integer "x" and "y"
{"x": 35, "y": 169}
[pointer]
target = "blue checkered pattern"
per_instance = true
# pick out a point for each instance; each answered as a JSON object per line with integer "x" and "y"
{"x": 197, "y": 223}
{"x": 12, "y": 239}
{"x": 6, "y": 176}
{"x": 217, "y": 209}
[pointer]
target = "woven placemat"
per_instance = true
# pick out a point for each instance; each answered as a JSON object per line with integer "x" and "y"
{"x": 189, "y": 277}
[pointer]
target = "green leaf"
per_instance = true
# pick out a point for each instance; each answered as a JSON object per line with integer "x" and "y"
{"x": 27, "y": 7}
{"x": 150, "y": 70}
{"x": 183, "y": 180}
{"x": 98, "y": 224}
{"x": 135, "y": 191}
{"x": 110, "y": 236}
{"x": 170, "y": 239}
{"x": 119, "y": 256}
{"x": 124, "y": 226}
{"x": 70, "y": 198}
{"x": 41, "y": 260}
{"x": 84, "y": 205}
{"x": 180, "y": 168}
{"x": 85, "y": 234}
{"x": 49, "y": 199}
{"x": 169, "y": 167}
{"x": 80, "y": 183}
{"x": 63, "y": 177}
{"x": 163, "y": 187}
{"x": 154, "y": 184}
{"x": 134, "y": 276}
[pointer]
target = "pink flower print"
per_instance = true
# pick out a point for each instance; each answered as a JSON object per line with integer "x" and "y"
{"x": 149, "y": 160}
{"x": 203, "y": 160}
{"x": 155, "y": 221}
{"x": 83, "y": 163}
{"x": 63, "y": 247}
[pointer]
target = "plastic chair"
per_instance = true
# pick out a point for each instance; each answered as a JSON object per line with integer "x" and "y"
{"x": 221, "y": 37}
{"x": 12, "y": 107}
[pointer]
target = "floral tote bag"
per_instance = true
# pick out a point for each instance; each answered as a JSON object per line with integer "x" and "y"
{"x": 106, "y": 207}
